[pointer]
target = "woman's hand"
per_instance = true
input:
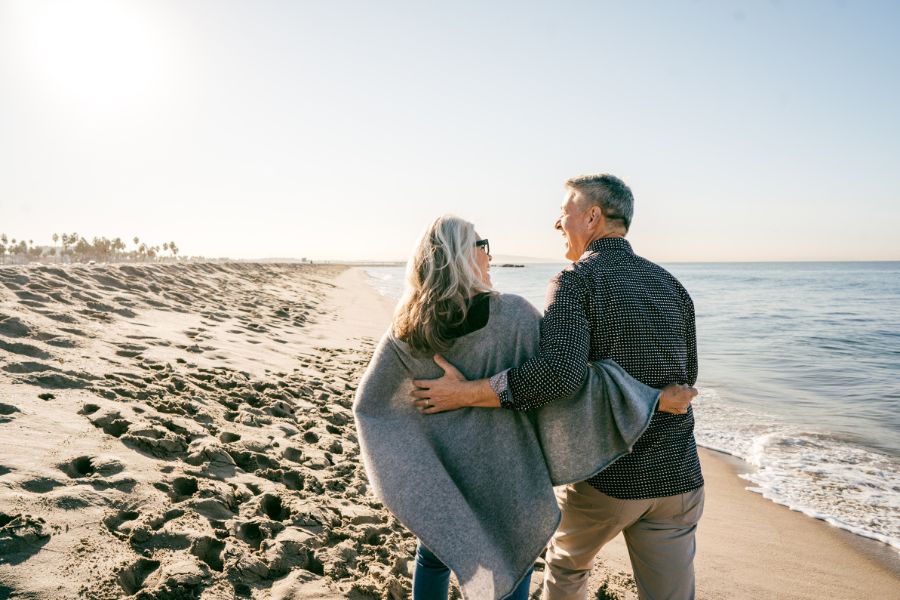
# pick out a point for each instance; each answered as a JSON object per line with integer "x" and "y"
{"x": 676, "y": 398}
{"x": 452, "y": 391}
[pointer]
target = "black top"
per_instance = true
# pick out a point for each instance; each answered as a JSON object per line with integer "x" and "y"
{"x": 477, "y": 316}
{"x": 613, "y": 304}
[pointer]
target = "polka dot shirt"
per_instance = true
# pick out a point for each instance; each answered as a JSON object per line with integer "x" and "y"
{"x": 613, "y": 304}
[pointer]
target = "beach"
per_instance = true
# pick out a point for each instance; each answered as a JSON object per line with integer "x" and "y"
{"x": 186, "y": 429}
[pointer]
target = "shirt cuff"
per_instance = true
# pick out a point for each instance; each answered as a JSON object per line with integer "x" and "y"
{"x": 500, "y": 385}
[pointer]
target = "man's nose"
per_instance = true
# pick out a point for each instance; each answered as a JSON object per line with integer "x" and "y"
{"x": 558, "y": 224}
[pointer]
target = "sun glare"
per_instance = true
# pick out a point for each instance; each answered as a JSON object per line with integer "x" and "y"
{"x": 103, "y": 53}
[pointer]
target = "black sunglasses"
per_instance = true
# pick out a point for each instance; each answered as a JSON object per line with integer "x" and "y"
{"x": 484, "y": 244}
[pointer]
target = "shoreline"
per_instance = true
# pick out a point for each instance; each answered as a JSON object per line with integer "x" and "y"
{"x": 884, "y": 554}
{"x": 743, "y": 535}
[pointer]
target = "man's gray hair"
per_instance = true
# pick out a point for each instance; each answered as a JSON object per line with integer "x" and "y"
{"x": 609, "y": 193}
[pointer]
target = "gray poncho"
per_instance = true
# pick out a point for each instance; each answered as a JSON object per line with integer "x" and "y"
{"x": 476, "y": 485}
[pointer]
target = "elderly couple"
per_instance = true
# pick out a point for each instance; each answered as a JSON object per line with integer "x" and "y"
{"x": 475, "y": 406}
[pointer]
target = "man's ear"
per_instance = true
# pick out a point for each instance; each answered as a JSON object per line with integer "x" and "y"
{"x": 595, "y": 214}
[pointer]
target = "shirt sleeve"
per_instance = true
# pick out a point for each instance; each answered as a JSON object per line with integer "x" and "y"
{"x": 690, "y": 336}
{"x": 560, "y": 367}
{"x": 500, "y": 385}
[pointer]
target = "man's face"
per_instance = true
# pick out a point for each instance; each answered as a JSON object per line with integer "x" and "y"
{"x": 575, "y": 224}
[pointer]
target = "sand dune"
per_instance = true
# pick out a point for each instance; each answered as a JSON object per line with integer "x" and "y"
{"x": 184, "y": 431}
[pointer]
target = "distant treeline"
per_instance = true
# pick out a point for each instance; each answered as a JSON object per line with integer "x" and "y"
{"x": 74, "y": 248}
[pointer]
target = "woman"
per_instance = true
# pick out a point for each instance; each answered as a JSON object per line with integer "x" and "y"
{"x": 476, "y": 485}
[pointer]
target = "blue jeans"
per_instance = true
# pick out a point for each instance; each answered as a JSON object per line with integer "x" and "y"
{"x": 431, "y": 580}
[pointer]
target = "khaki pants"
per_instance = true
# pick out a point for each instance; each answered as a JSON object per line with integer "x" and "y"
{"x": 659, "y": 533}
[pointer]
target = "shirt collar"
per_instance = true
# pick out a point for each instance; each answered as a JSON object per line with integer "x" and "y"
{"x": 607, "y": 244}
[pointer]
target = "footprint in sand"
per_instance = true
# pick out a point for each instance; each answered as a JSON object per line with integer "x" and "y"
{"x": 41, "y": 485}
{"x": 183, "y": 488}
{"x": 209, "y": 550}
{"x": 132, "y": 577}
{"x": 115, "y": 522}
{"x": 62, "y": 318}
{"x": 28, "y": 367}
{"x": 88, "y": 466}
{"x": 273, "y": 507}
{"x": 32, "y": 298}
{"x": 24, "y": 350}
{"x": 255, "y": 531}
{"x": 111, "y": 423}
{"x": 155, "y": 442}
{"x": 130, "y": 350}
{"x": 6, "y": 410}
{"x": 21, "y": 536}
{"x": 13, "y": 327}
{"x": 68, "y": 380}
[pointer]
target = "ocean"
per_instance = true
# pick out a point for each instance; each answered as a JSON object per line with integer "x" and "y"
{"x": 799, "y": 377}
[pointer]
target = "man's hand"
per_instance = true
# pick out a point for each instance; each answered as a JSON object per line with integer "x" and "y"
{"x": 676, "y": 399}
{"x": 452, "y": 391}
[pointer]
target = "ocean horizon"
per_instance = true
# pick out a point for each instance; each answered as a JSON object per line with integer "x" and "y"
{"x": 799, "y": 378}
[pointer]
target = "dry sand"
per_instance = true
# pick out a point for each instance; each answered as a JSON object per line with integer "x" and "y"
{"x": 184, "y": 431}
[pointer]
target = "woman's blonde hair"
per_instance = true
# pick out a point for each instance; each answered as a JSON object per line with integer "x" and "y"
{"x": 441, "y": 276}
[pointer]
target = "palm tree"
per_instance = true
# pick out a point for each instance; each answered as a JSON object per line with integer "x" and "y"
{"x": 118, "y": 245}
{"x": 55, "y": 239}
{"x": 73, "y": 241}
{"x": 173, "y": 249}
{"x": 82, "y": 248}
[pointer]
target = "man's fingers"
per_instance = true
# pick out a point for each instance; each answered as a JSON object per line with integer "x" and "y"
{"x": 420, "y": 393}
{"x": 427, "y": 408}
{"x": 422, "y": 383}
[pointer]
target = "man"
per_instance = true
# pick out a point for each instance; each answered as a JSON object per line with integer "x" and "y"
{"x": 609, "y": 304}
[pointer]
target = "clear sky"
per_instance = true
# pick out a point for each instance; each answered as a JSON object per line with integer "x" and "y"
{"x": 747, "y": 130}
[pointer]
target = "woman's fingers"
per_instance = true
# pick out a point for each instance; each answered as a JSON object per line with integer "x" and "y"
{"x": 690, "y": 392}
{"x": 676, "y": 399}
{"x": 448, "y": 368}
